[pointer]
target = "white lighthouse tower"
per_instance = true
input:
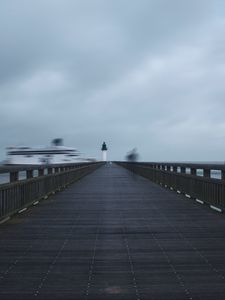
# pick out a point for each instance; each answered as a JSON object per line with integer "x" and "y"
{"x": 104, "y": 152}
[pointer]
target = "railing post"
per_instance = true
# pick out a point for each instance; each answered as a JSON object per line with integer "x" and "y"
{"x": 168, "y": 168}
{"x": 193, "y": 171}
{"x": 29, "y": 174}
{"x": 183, "y": 170}
{"x": 49, "y": 170}
{"x": 57, "y": 170}
{"x": 223, "y": 174}
{"x": 175, "y": 169}
{"x": 206, "y": 173}
{"x": 14, "y": 176}
{"x": 40, "y": 172}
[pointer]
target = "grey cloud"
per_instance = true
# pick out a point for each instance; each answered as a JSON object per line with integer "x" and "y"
{"x": 134, "y": 73}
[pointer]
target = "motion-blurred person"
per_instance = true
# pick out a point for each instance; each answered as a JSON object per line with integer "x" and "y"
{"x": 132, "y": 156}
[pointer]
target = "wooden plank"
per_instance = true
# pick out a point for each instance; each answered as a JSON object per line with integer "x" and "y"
{"x": 114, "y": 235}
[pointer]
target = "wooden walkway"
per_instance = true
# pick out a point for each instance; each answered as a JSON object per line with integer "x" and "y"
{"x": 113, "y": 235}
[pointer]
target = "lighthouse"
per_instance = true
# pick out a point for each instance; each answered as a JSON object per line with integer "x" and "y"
{"x": 104, "y": 152}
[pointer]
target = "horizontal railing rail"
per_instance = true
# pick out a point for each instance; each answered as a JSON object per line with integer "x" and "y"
{"x": 14, "y": 173}
{"x": 197, "y": 181}
{"x": 18, "y": 194}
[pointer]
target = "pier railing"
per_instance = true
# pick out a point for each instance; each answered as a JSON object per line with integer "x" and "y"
{"x": 203, "y": 182}
{"x": 39, "y": 183}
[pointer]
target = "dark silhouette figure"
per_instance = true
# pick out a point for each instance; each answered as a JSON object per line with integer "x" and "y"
{"x": 132, "y": 156}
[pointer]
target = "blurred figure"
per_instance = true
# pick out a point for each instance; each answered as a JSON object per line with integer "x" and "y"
{"x": 132, "y": 156}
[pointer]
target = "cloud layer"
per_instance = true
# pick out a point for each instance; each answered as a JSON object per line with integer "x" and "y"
{"x": 148, "y": 74}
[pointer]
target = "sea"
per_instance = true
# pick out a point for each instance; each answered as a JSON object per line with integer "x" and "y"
{"x": 4, "y": 178}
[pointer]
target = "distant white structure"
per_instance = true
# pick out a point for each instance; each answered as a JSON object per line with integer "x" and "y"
{"x": 104, "y": 152}
{"x": 56, "y": 153}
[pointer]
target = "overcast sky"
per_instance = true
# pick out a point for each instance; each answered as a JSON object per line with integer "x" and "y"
{"x": 134, "y": 73}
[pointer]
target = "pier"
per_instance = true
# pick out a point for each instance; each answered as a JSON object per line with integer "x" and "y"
{"x": 103, "y": 232}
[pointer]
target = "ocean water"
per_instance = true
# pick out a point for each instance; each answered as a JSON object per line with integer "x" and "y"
{"x": 214, "y": 173}
{"x": 4, "y": 178}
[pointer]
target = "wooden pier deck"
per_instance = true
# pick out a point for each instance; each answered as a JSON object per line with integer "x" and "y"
{"x": 113, "y": 235}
